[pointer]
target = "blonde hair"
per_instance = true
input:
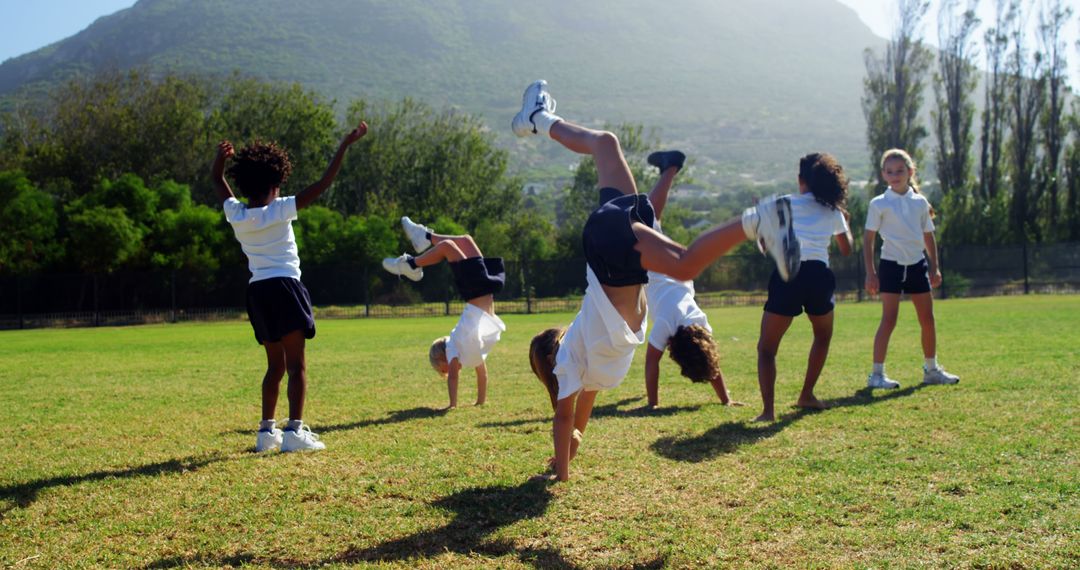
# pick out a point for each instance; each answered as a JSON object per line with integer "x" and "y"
{"x": 901, "y": 154}
{"x": 437, "y": 354}
{"x": 542, "y": 351}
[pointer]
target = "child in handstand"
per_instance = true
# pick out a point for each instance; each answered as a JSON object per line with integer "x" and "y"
{"x": 677, "y": 321}
{"x": 477, "y": 279}
{"x": 620, "y": 247}
{"x": 278, "y": 304}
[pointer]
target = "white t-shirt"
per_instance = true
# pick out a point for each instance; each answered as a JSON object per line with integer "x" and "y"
{"x": 815, "y": 225}
{"x": 266, "y": 236}
{"x": 902, "y": 220}
{"x": 473, "y": 337}
{"x": 671, "y": 305}
{"x": 598, "y": 347}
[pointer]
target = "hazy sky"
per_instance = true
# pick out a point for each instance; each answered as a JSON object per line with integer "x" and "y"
{"x": 32, "y": 24}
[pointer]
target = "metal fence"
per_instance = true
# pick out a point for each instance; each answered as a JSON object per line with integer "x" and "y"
{"x": 357, "y": 291}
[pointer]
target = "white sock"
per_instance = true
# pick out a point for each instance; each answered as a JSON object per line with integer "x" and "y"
{"x": 294, "y": 425}
{"x": 267, "y": 425}
{"x": 543, "y": 121}
{"x": 879, "y": 368}
{"x": 931, "y": 363}
{"x": 750, "y": 221}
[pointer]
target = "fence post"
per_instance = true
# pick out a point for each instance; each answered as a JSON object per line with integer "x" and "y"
{"x": 172, "y": 295}
{"x": 367, "y": 293}
{"x": 97, "y": 316}
{"x": 18, "y": 300}
{"x": 859, "y": 272}
{"x": 1027, "y": 284}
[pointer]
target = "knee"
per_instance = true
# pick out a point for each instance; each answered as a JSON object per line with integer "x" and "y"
{"x": 274, "y": 373}
{"x": 766, "y": 353}
{"x": 297, "y": 369}
{"x": 927, "y": 321}
{"x": 608, "y": 140}
{"x": 564, "y": 413}
{"x": 888, "y": 323}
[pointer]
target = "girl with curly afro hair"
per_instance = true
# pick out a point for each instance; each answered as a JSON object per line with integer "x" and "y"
{"x": 278, "y": 304}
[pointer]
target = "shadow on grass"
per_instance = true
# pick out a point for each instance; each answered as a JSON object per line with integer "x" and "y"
{"x": 25, "y": 494}
{"x": 477, "y": 513}
{"x": 728, "y": 437}
{"x": 391, "y": 418}
{"x": 611, "y": 410}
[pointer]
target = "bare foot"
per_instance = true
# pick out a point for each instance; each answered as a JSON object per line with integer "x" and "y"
{"x": 812, "y": 403}
{"x": 544, "y": 477}
{"x": 733, "y": 403}
{"x": 447, "y": 408}
{"x": 479, "y": 403}
{"x": 765, "y": 418}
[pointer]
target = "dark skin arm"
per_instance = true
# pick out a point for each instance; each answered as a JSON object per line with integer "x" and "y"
{"x": 217, "y": 172}
{"x": 309, "y": 194}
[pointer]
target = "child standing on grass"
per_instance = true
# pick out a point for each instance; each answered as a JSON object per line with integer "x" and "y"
{"x": 621, "y": 246}
{"x": 819, "y": 218}
{"x": 909, "y": 265}
{"x": 477, "y": 279}
{"x": 677, "y": 321}
{"x": 278, "y": 304}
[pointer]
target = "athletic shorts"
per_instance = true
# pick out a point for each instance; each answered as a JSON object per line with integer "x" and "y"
{"x": 478, "y": 276}
{"x": 279, "y": 306}
{"x": 811, "y": 289}
{"x": 896, "y": 278}
{"x": 609, "y": 240}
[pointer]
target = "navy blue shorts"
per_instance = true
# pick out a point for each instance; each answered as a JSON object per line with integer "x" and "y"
{"x": 896, "y": 278}
{"x": 478, "y": 276}
{"x": 609, "y": 240}
{"x": 279, "y": 306}
{"x": 812, "y": 289}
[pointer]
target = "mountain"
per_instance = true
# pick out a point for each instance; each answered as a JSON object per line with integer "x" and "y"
{"x": 743, "y": 86}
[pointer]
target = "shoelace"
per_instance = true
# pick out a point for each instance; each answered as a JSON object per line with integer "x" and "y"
{"x": 307, "y": 433}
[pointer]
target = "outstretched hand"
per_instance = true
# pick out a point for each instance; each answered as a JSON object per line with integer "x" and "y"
{"x": 355, "y": 134}
{"x": 225, "y": 150}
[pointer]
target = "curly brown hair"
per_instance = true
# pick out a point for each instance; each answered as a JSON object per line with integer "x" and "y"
{"x": 826, "y": 179}
{"x": 694, "y": 350}
{"x": 542, "y": 351}
{"x": 260, "y": 167}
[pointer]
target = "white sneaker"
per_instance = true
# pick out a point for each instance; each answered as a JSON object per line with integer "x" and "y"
{"x": 776, "y": 232}
{"x": 535, "y": 99}
{"x": 301, "y": 440}
{"x": 881, "y": 381}
{"x": 939, "y": 376}
{"x": 416, "y": 233}
{"x": 267, "y": 440}
{"x": 400, "y": 266}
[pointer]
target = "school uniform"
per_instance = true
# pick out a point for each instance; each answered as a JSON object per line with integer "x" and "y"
{"x": 814, "y": 286}
{"x": 902, "y": 220}
{"x": 671, "y": 305}
{"x": 277, "y": 302}
{"x": 477, "y": 331}
{"x": 598, "y": 347}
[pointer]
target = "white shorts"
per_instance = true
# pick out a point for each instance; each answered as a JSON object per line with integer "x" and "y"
{"x": 598, "y": 347}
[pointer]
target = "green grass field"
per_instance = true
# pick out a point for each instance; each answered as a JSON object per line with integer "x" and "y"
{"x": 131, "y": 448}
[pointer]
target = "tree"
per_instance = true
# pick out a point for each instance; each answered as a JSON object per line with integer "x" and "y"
{"x": 893, "y": 87}
{"x": 101, "y": 238}
{"x": 1052, "y": 20}
{"x": 956, "y": 79}
{"x": 28, "y": 241}
{"x": 1026, "y": 85}
{"x": 991, "y": 164}
{"x": 426, "y": 164}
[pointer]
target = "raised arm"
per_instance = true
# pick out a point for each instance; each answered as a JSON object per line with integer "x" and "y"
{"x": 309, "y": 194}
{"x": 931, "y": 255}
{"x": 217, "y": 172}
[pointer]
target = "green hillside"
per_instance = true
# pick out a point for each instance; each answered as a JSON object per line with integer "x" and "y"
{"x": 743, "y": 86}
